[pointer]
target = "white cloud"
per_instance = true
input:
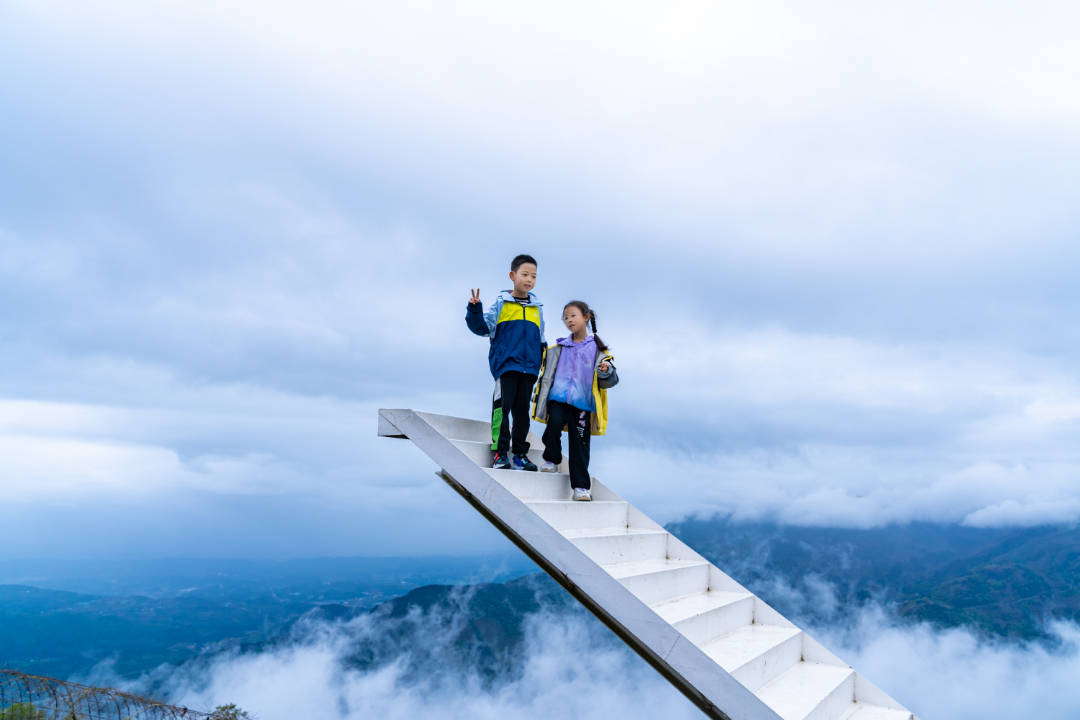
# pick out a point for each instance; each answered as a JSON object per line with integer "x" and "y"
{"x": 800, "y": 428}
{"x": 80, "y": 450}
{"x": 833, "y": 264}
{"x": 954, "y": 674}
{"x": 570, "y": 666}
{"x": 1037, "y": 512}
{"x": 827, "y": 430}
{"x": 222, "y": 471}
{"x": 776, "y": 131}
{"x": 567, "y": 669}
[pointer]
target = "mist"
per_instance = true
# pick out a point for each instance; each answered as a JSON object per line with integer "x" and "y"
{"x": 569, "y": 665}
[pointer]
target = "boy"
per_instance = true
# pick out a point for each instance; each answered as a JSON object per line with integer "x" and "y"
{"x": 515, "y": 324}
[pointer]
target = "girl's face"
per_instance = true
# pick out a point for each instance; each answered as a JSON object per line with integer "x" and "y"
{"x": 576, "y": 323}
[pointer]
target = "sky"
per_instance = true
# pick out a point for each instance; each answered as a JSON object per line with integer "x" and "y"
{"x": 832, "y": 245}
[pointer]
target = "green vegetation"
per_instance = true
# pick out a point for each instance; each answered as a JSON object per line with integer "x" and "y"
{"x": 21, "y": 711}
{"x": 230, "y": 712}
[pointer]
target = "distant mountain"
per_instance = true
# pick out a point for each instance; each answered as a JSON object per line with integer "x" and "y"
{"x": 1001, "y": 582}
{"x": 483, "y": 627}
{"x": 318, "y": 579}
{"x": 1004, "y": 583}
{"x": 60, "y": 634}
{"x": 61, "y": 618}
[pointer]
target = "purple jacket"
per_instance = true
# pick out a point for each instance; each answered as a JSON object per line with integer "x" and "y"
{"x": 574, "y": 374}
{"x": 599, "y": 384}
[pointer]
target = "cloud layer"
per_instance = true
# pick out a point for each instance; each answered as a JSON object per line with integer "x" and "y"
{"x": 835, "y": 271}
{"x": 571, "y": 666}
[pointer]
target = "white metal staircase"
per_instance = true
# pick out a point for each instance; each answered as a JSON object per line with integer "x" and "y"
{"x": 734, "y": 656}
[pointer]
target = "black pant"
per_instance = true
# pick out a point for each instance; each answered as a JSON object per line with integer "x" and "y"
{"x": 578, "y": 424}
{"x": 516, "y": 389}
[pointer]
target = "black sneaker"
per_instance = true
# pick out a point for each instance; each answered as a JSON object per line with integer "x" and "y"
{"x": 501, "y": 461}
{"x": 522, "y": 462}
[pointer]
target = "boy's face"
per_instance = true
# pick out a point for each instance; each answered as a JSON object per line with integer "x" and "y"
{"x": 524, "y": 279}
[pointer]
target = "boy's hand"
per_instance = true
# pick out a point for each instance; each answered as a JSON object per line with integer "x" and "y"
{"x": 474, "y": 296}
{"x": 605, "y": 366}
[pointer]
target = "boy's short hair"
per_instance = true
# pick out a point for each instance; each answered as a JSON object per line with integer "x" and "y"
{"x": 521, "y": 260}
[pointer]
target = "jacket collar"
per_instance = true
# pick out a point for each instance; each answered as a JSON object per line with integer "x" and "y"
{"x": 508, "y": 296}
{"x": 568, "y": 341}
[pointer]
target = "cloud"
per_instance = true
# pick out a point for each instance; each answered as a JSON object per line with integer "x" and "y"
{"x": 568, "y": 667}
{"x": 1013, "y": 512}
{"x": 817, "y": 429}
{"x": 571, "y": 666}
{"x": 754, "y": 129}
{"x": 179, "y": 470}
{"x": 954, "y": 674}
{"x": 775, "y": 424}
{"x": 833, "y": 269}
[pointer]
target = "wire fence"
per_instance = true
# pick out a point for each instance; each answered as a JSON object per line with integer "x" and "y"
{"x": 30, "y": 697}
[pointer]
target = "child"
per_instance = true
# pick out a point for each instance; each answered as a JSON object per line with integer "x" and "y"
{"x": 573, "y": 393}
{"x": 515, "y": 324}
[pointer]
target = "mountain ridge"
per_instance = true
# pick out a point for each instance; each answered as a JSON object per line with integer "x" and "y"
{"x": 1004, "y": 583}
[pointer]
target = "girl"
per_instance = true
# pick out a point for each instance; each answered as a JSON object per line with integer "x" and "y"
{"x": 572, "y": 393}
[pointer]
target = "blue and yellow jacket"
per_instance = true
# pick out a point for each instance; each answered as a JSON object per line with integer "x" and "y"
{"x": 516, "y": 330}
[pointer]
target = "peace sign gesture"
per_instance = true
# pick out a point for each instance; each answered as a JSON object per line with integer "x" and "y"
{"x": 474, "y": 296}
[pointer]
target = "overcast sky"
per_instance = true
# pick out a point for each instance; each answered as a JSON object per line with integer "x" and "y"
{"x": 833, "y": 245}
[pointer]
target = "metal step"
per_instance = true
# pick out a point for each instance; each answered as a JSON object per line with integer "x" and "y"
{"x": 534, "y": 485}
{"x": 654, "y": 581}
{"x": 570, "y": 515}
{"x": 863, "y": 711}
{"x": 756, "y": 654}
{"x": 811, "y": 691}
{"x": 480, "y": 452}
{"x": 607, "y": 547}
{"x": 705, "y": 616}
